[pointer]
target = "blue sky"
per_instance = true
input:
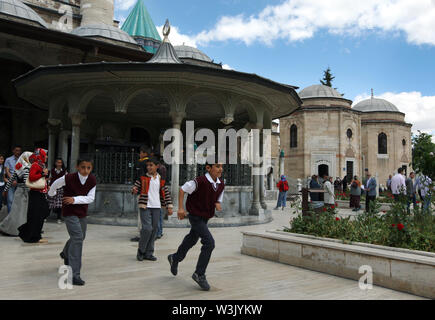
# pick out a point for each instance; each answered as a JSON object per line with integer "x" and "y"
{"x": 387, "y": 45}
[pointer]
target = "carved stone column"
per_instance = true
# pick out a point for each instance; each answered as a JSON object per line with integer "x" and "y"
{"x": 76, "y": 120}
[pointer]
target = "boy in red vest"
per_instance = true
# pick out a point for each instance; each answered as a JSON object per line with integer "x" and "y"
{"x": 79, "y": 192}
{"x": 154, "y": 195}
{"x": 205, "y": 195}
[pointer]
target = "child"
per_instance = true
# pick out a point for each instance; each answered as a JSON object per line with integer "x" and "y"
{"x": 55, "y": 203}
{"x": 205, "y": 195}
{"x": 79, "y": 192}
{"x": 154, "y": 195}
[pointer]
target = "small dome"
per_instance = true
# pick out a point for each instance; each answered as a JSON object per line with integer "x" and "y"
{"x": 191, "y": 52}
{"x": 19, "y": 9}
{"x": 319, "y": 91}
{"x": 374, "y": 104}
{"x": 103, "y": 30}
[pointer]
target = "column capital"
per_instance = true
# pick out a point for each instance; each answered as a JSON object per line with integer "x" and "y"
{"x": 77, "y": 118}
{"x": 177, "y": 117}
{"x": 54, "y": 125}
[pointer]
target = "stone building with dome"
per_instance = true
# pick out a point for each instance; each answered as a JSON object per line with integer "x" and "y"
{"x": 326, "y": 135}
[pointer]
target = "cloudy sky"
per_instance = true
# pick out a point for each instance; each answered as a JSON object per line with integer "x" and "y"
{"x": 387, "y": 45}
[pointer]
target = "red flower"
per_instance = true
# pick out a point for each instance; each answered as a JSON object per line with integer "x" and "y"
{"x": 332, "y": 207}
{"x": 400, "y": 226}
{"x": 324, "y": 209}
{"x": 418, "y": 202}
{"x": 384, "y": 211}
{"x": 337, "y": 219}
{"x": 393, "y": 225}
{"x": 18, "y": 166}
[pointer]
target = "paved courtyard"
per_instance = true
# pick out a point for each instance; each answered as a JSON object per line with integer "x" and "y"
{"x": 111, "y": 271}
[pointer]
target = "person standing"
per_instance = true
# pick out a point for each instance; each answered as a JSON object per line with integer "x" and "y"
{"x": 398, "y": 185}
{"x": 2, "y": 179}
{"x": 9, "y": 170}
{"x": 370, "y": 188}
{"x": 329, "y": 192}
{"x": 355, "y": 194}
{"x": 314, "y": 184}
{"x": 424, "y": 184}
{"x": 389, "y": 183}
{"x": 344, "y": 183}
{"x": 37, "y": 210}
{"x": 282, "y": 186}
{"x": 411, "y": 192}
{"x": 154, "y": 195}
{"x": 79, "y": 192}
{"x": 55, "y": 203}
{"x": 141, "y": 170}
{"x": 18, "y": 215}
{"x": 162, "y": 172}
{"x": 205, "y": 194}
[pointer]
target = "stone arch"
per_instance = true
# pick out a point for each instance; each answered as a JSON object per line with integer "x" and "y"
{"x": 382, "y": 143}
{"x": 350, "y": 152}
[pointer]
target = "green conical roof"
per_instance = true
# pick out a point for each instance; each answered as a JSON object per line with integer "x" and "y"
{"x": 140, "y": 26}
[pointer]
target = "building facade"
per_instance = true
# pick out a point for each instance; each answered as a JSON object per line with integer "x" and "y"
{"x": 326, "y": 135}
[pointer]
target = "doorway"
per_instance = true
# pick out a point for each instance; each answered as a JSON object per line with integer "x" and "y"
{"x": 349, "y": 170}
{"x": 323, "y": 169}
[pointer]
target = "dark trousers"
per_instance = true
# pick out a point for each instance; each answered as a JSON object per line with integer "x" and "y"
{"x": 74, "y": 246}
{"x": 411, "y": 199}
{"x": 368, "y": 200}
{"x": 198, "y": 230}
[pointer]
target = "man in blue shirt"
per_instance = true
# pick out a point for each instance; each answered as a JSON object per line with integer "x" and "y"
{"x": 9, "y": 171}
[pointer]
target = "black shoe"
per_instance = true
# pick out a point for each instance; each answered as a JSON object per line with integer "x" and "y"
{"x": 174, "y": 264}
{"x": 65, "y": 259}
{"x": 159, "y": 237}
{"x": 151, "y": 258}
{"x": 139, "y": 255}
{"x": 135, "y": 239}
{"x": 78, "y": 282}
{"x": 202, "y": 281}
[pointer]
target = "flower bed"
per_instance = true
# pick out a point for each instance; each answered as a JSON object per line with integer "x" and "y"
{"x": 394, "y": 228}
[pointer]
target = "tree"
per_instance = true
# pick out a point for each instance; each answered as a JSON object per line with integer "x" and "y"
{"x": 423, "y": 154}
{"x": 327, "y": 78}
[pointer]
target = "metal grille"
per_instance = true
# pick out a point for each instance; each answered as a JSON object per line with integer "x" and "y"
{"x": 119, "y": 168}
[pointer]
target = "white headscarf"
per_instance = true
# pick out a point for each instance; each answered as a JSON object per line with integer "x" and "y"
{"x": 23, "y": 162}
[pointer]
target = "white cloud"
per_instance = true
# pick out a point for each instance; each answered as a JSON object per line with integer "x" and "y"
{"x": 419, "y": 109}
{"x": 295, "y": 20}
{"x": 178, "y": 38}
{"x": 124, "y": 4}
{"x": 226, "y": 67}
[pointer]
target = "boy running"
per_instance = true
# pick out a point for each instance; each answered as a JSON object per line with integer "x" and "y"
{"x": 205, "y": 194}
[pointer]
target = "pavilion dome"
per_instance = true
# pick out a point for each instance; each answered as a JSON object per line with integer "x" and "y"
{"x": 375, "y": 104}
{"x": 319, "y": 91}
{"x": 187, "y": 52}
{"x": 104, "y": 31}
{"x": 18, "y": 9}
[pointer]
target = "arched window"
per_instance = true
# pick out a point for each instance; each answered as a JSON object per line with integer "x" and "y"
{"x": 382, "y": 143}
{"x": 293, "y": 136}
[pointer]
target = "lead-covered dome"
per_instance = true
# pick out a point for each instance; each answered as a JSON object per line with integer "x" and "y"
{"x": 18, "y": 9}
{"x": 187, "y": 52}
{"x": 104, "y": 31}
{"x": 374, "y": 104}
{"x": 319, "y": 91}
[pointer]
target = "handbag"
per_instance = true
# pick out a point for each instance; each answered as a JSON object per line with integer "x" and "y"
{"x": 38, "y": 184}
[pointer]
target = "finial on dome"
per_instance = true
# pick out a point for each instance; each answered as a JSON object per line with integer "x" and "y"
{"x": 166, "y": 28}
{"x": 372, "y": 93}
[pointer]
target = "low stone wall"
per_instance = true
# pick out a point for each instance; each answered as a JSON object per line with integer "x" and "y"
{"x": 115, "y": 205}
{"x": 344, "y": 204}
{"x": 399, "y": 269}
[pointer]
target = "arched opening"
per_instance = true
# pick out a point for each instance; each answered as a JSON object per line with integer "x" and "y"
{"x": 382, "y": 144}
{"x": 293, "y": 136}
{"x": 323, "y": 169}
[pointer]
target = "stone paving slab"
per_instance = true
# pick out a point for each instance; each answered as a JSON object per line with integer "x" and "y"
{"x": 111, "y": 271}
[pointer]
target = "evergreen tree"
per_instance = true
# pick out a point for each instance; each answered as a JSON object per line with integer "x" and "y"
{"x": 423, "y": 154}
{"x": 327, "y": 78}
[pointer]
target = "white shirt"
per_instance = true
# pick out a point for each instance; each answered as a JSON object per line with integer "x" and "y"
{"x": 398, "y": 184}
{"x": 423, "y": 184}
{"x": 190, "y": 186}
{"x": 154, "y": 193}
{"x": 59, "y": 183}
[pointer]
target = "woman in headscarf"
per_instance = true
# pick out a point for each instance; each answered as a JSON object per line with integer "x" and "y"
{"x": 355, "y": 194}
{"x": 282, "y": 185}
{"x": 18, "y": 215}
{"x": 37, "y": 211}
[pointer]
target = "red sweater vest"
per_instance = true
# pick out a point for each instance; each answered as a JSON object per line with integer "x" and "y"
{"x": 74, "y": 188}
{"x": 202, "y": 202}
